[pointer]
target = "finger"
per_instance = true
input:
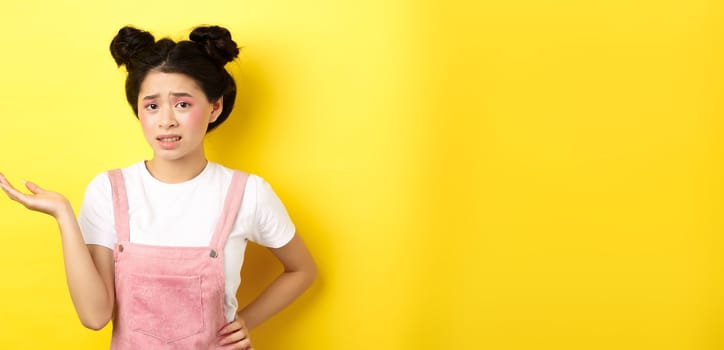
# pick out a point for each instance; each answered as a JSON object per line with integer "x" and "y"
{"x": 242, "y": 345}
{"x": 33, "y": 187}
{"x": 232, "y": 327}
{"x": 8, "y": 187}
{"x": 4, "y": 181}
{"x": 14, "y": 194}
{"x": 238, "y": 344}
{"x": 239, "y": 336}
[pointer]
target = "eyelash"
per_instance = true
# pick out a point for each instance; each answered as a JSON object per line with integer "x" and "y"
{"x": 182, "y": 104}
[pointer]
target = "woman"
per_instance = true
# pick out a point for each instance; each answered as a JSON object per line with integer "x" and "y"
{"x": 158, "y": 246}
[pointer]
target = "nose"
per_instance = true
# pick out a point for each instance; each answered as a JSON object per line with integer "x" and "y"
{"x": 167, "y": 119}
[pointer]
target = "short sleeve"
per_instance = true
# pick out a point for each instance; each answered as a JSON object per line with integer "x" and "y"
{"x": 273, "y": 226}
{"x": 96, "y": 213}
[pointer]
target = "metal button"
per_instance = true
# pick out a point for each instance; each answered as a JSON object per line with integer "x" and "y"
{"x": 213, "y": 253}
{"x": 120, "y": 248}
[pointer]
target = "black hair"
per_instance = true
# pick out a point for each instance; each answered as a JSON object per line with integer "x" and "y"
{"x": 202, "y": 58}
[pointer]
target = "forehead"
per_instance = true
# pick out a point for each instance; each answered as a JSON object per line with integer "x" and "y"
{"x": 165, "y": 83}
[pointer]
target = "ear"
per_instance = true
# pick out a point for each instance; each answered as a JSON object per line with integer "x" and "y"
{"x": 216, "y": 108}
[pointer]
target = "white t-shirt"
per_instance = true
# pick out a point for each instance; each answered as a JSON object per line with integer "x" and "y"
{"x": 186, "y": 214}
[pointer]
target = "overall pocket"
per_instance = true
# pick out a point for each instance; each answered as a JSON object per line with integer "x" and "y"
{"x": 166, "y": 307}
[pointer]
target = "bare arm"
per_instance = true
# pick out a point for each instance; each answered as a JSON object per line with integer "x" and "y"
{"x": 299, "y": 273}
{"x": 88, "y": 268}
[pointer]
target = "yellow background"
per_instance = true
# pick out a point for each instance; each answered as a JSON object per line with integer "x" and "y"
{"x": 469, "y": 175}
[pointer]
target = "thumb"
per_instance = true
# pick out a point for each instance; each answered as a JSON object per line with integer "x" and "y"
{"x": 35, "y": 189}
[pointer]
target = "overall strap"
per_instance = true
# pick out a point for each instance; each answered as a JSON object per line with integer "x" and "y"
{"x": 120, "y": 204}
{"x": 234, "y": 196}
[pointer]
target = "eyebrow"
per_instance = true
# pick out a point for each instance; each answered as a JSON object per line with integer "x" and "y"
{"x": 174, "y": 94}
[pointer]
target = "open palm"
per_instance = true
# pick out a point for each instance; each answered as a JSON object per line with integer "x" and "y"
{"x": 41, "y": 200}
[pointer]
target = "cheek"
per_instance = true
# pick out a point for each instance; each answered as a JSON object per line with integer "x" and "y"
{"x": 146, "y": 123}
{"x": 197, "y": 118}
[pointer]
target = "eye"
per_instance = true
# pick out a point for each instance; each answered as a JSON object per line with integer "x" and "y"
{"x": 151, "y": 107}
{"x": 183, "y": 105}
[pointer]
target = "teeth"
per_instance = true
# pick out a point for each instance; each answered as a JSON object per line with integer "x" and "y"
{"x": 170, "y": 139}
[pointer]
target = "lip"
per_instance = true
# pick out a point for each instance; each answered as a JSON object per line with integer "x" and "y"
{"x": 169, "y": 141}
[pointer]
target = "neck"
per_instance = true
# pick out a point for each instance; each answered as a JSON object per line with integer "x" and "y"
{"x": 176, "y": 171}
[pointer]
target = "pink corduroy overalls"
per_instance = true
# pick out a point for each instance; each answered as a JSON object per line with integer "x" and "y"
{"x": 170, "y": 297}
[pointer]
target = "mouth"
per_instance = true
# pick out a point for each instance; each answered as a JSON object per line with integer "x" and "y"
{"x": 169, "y": 142}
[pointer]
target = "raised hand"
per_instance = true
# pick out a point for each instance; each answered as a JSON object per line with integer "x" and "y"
{"x": 41, "y": 200}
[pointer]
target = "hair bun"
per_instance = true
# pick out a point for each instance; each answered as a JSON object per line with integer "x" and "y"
{"x": 217, "y": 43}
{"x": 128, "y": 44}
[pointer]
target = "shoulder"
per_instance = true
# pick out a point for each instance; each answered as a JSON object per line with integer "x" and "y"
{"x": 222, "y": 173}
{"x": 100, "y": 185}
{"x": 257, "y": 191}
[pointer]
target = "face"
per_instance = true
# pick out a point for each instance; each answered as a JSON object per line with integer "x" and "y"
{"x": 175, "y": 114}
